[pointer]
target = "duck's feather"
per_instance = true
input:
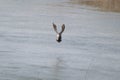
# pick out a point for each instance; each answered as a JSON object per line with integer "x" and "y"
{"x": 55, "y": 27}
{"x": 63, "y": 28}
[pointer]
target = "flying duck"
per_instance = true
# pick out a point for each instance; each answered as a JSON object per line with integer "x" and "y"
{"x": 59, "y": 34}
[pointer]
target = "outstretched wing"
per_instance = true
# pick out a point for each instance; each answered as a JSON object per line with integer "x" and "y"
{"x": 55, "y": 27}
{"x": 63, "y": 28}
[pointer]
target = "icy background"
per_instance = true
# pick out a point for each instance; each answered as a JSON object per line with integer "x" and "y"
{"x": 90, "y": 49}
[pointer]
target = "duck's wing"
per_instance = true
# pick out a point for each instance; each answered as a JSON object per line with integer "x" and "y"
{"x": 55, "y": 27}
{"x": 63, "y": 28}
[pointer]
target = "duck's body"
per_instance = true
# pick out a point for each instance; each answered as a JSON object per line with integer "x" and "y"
{"x": 59, "y": 38}
{"x": 59, "y": 34}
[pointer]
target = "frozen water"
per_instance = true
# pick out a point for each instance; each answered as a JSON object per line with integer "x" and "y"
{"x": 90, "y": 49}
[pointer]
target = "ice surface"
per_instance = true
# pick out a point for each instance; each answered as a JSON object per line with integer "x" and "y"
{"x": 90, "y": 49}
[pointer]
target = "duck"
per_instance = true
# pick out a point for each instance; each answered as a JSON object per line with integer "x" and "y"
{"x": 59, "y": 34}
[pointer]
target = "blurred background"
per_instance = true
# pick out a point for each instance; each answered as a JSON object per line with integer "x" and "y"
{"x": 106, "y": 5}
{"x": 90, "y": 47}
